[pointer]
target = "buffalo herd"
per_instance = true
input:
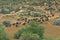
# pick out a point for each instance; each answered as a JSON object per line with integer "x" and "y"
{"x": 25, "y": 20}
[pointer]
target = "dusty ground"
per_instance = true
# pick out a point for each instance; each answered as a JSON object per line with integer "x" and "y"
{"x": 50, "y": 30}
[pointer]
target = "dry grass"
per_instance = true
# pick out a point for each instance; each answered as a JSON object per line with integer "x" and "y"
{"x": 50, "y": 30}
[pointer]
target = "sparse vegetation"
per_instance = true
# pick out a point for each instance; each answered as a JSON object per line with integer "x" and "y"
{"x": 6, "y": 23}
{"x": 4, "y": 11}
{"x": 29, "y": 36}
{"x": 16, "y": 9}
{"x": 3, "y": 35}
{"x": 56, "y": 21}
{"x": 30, "y": 14}
{"x": 32, "y": 28}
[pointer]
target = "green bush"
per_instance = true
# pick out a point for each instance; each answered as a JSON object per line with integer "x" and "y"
{"x": 5, "y": 11}
{"x": 30, "y": 8}
{"x": 28, "y": 13}
{"x": 33, "y": 24}
{"x": 37, "y": 14}
{"x": 58, "y": 38}
{"x": 29, "y": 36}
{"x": 35, "y": 4}
{"x": 31, "y": 28}
{"x": 16, "y": 9}
{"x": 47, "y": 38}
{"x": 6, "y": 23}
{"x": 21, "y": 15}
{"x": 3, "y": 35}
{"x": 56, "y": 22}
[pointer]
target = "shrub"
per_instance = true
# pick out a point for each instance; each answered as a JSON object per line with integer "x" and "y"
{"x": 16, "y": 9}
{"x": 3, "y": 35}
{"x": 28, "y": 13}
{"x": 6, "y": 23}
{"x": 29, "y": 36}
{"x": 37, "y": 14}
{"x": 56, "y": 21}
{"x": 30, "y": 8}
{"x": 21, "y": 15}
{"x": 32, "y": 28}
{"x": 48, "y": 38}
{"x": 5, "y": 11}
{"x": 0, "y": 10}
{"x": 33, "y": 24}
{"x": 58, "y": 38}
{"x": 35, "y": 4}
